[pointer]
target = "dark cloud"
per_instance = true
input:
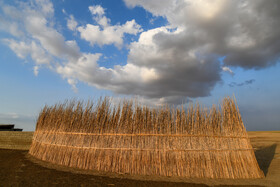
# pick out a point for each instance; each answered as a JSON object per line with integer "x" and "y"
{"x": 245, "y": 32}
{"x": 245, "y": 83}
{"x": 249, "y": 34}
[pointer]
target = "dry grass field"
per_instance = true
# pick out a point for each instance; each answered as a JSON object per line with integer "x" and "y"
{"x": 19, "y": 169}
{"x": 15, "y": 140}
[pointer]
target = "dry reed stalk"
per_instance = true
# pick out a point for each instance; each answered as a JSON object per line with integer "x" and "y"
{"x": 135, "y": 139}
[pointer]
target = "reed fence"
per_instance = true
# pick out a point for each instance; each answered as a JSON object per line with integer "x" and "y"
{"x": 130, "y": 138}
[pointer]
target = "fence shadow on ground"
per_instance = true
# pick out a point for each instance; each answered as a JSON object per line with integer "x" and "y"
{"x": 264, "y": 156}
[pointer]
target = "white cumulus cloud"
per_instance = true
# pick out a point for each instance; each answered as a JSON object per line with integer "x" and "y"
{"x": 72, "y": 23}
{"x": 105, "y": 34}
{"x": 227, "y": 69}
{"x": 36, "y": 36}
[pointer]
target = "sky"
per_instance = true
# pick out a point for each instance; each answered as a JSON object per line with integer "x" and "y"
{"x": 161, "y": 51}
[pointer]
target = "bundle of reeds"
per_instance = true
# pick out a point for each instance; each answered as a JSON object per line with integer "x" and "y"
{"x": 135, "y": 139}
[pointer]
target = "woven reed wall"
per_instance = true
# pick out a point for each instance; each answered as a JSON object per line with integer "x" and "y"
{"x": 132, "y": 139}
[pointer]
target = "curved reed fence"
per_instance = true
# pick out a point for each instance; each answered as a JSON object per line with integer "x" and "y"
{"x": 134, "y": 139}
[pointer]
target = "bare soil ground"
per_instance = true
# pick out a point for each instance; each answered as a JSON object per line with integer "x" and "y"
{"x": 17, "y": 168}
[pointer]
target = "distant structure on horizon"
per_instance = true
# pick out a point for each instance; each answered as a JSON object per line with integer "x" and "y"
{"x": 9, "y": 127}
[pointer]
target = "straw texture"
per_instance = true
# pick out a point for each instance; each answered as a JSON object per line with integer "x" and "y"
{"x": 135, "y": 139}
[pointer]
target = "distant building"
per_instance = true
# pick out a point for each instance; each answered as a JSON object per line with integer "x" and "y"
{"x": 9, "y": 127}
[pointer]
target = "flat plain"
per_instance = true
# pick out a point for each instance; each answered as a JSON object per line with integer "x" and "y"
{"x": 17, "y": 168}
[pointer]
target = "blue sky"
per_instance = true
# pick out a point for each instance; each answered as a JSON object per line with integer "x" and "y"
{"x": 159, "y": 51}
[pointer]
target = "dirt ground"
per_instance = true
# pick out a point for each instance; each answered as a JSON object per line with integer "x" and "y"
{"x": 17, "y": 168}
